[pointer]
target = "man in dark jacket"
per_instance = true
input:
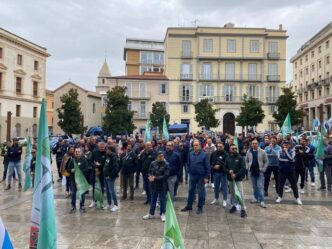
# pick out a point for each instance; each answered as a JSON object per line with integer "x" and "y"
{"x": 158, "y": 175}
{"x": 111, "y": 172}
{"x": 128, "y": 165}
{"x": 80, "y": 162}
{"x": 217, "y": 162}
{"x": 287, "y": 171}
{"x": 199, "y": 172}
{"x": 145, "y": 159}
{"x": 60, "y": 150}
{"x": 14, "y": 163}
{"x": 33, "y": 165}
{"x": 174, "y": 163}
{"x": 301, "y": 162}
{"x": 236, "y": 171}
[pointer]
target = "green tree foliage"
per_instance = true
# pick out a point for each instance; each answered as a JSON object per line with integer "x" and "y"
{"x": 286, "y": 103}
{"x": 251, "y": 112}
{"x": 118, "y": 119}
{"x": 205, "y": 114}
{"x": 70, "y": 114}
{"x": 157, "y": 115}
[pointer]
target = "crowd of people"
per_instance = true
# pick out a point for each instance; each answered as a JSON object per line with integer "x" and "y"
{"x": 202, "y": 162}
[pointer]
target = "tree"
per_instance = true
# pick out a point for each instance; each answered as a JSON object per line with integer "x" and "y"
{"x": 251, "y": 112}
{"x": 70, "y": 115}
{"x": 118, "y": 119}
{"x": 205, "y": 114}
{"x": 157, "y": 115}
{"x": 286, "y": 103}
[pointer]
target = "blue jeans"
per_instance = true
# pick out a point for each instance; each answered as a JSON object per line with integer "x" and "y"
{"x": 220, "y": 184}
{"x": 146, "y": 187}
{"x": 258, "y": 186}
{"x": 196, "y": 182}
{"x": 171, "y": 181}
{"x": 162, "y": 199}
{"x": 310, "y": 168}
{"x": 12, "y": 166}
{"x": 73, "y": 190}
{"x": 110, "y": 191}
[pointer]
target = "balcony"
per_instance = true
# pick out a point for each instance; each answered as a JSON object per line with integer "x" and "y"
{"x": 228, "y": 99}
{"x": 208, "y": 77}
{"x": 230, "y": 77}
{"x": 271, "y": 100}
{"x": 252, "y": 77}
{"x": 186, "y": 76}
{"x": 274, "y": 78}
{"x": 273, "y": 56}
{"x": 209, "y": 98}
{"x": 145, "y": 96}
{"x": 186, "y": 54}
{"x": 185, "y": 99}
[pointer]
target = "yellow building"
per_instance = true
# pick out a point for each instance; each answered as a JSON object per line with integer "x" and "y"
{"x": 49, "y": 109}
{"x": 222, "y": 64}
{"x": 312, "y": 70}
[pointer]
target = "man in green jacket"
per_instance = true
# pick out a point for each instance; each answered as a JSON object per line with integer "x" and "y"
{"x": 236, "y": 170}
{"x": 80, "y": 161}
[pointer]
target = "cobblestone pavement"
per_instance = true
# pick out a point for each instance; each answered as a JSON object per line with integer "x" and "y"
{"x": 283, "y": 225}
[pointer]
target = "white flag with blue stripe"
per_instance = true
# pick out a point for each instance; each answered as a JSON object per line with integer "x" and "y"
{"x": 5, "y": 242}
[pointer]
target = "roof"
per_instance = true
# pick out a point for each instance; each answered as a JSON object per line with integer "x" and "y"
{"x": 143, "y": 44}
{"x": 49, "y": 92}
{"x": 23, "y": 42}
{"x": 104, "y": 71}
{"x": 141, "y": 77}
{"x": 89, "y": 93}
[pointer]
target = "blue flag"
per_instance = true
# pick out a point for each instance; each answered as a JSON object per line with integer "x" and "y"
{"x": 5, "y": 242}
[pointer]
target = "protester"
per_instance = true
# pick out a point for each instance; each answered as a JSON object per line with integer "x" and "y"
{"x": 328, "y": 167}
{"x": 33, "y": 165}
{"x": 14, "y": 154}
{"x": 63, "y": 168}
{"x": 60, "y": 150}
{"x": 301, "y": 162}
{"x": 128, "y": 165}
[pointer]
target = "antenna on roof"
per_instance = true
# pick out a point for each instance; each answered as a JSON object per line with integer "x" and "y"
{"x": 195, "y": 22}
{"x": 105, "y": 54}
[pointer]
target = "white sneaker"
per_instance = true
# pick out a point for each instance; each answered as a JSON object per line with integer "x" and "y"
{"x": 212, "y": 185}
{"x": 254, "y": 201}
{"x": 215, "y": 202}
{"x": 298, "y": 201}
{"x": 278, "y": 200}
{"x": 238, "y": 207}
{"x": 313, "y": 184}
{"x": 106, "y": 207}
{"x": 143, "y": 193}
{"x": 157, "y": 205}
{"x": 224, "y": 204}
{"x": 163, "y": 217}
{"x": 302, "y": 191}
{"x": 288, "y": 190}
{"x": 114, "y": 208}
{"x": 262, "y": 204}
{"x": 92, "y": 205}
{"x": 148, "y": 216}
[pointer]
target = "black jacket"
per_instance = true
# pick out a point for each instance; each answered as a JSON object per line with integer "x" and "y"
{"x": 111, "y": 166}
{"x": 14, "y": 153}
{"x": 161, "y": 171}
{"x": 128, "y": 163}
{"x": 82, "y": 163}
{"x": 218, "y": 158}
{"x": 145, "y": 161}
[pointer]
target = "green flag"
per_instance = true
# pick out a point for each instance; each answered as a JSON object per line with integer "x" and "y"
{"x": 319, "y": 154}
{"x": 81, "y": 182}
{"x": 237, "y": 194}
{"x": 43, "y": 227}
{"x": 286, "y": 126}
{"x": 165, "y": 130}
{"x": 26, "y": 167}
{"x": 147, "y": 136}
{"x": 172, "y": 234}
{"x": 236, "y": 142}
{"x": 98, "y": 198}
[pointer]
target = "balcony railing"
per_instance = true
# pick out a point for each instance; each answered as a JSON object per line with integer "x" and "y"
{"x": 228, "y": 99}
{"x": 230, "y": 77}
{"x": 186, "y": 99}
{"x": 140, "y": 115}
{"x": 207, "y": 77}
{"x": 145, "y": 96}
{"x": 209, "y": 98}
{"x": 273, "y": 78}
{"x": 271, "y": 100}
{"x": 273, "y": 56}
{"x": 252, "y": 77}
{"x": 186, "y": 54}
{"x": 186, "y": 76}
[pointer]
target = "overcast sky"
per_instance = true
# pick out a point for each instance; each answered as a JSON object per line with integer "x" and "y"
{"x": 78, "y": 33}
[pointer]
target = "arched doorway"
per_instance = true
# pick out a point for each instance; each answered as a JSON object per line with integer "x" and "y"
{"x": 228, "y": 123}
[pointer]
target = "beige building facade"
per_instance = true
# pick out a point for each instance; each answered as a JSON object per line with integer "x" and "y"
{"x": 90, "y": 106}
{"x": 22, "y": 84}
{"x": 312, "y": 76}
{"x": 222, "y": 64}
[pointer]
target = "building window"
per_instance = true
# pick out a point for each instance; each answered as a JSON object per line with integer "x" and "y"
{"x": 327, "y": 59}
{"x": 35, "y": 112}
{"x": 295, "y": 64}
{"x": 128, "y": 89}
{"x": 273, "y": 47}
{"x": 208, "y": 45}
{"x": 93, "y": 108}
{"x": 306, "y": 71}
{"x": 230, "y": 71}
{"x": 319, "y": 64}
{"x": 312, "y": 95}
{"x": 185, "y": 108}
{"x": 35, "y": 88}
{"x": 254, "y": 46}
{"x": 273, "y": 71}
{"x": 206, "y": 90}
{"x": 0, "y": 80}
{"x": 18, "y": 111}
{"x": 319, "y": 93}
{"x": 186, "y": 48}
{"x": 163, "y": 88}
{"x": 327, "y": 44}
{"x": 129, "y": 106}
{"x": 319, "y": 49}
{"x": 273, "y": 109}
{"x": 327, "y": 91}
{"x": 36, "y": 65}
{"x": 103, "y": 81}
{"x": 229, "y": 93}
{"x": 18, "y": 129}
{"x": 306, "y": 58}
{"x": 252, "y": 69}
{"x": 231, "y": 46}
{"x": 164, "y": 104}
{"x": 142, "y": 89}
{"x": 312, "y": 54}
{"x": 1, "y": 53}
{"x": 295, "y": 76}
{"x": 142, "y": 109}
{"x": 207, "y": 71}
{"x": 18, "y": 85}
{"x": 19, "y": 59}
{"x": 52, "y": 104}
{"x": 301, "y": 62}
{"x": 186, "y": 93}
{"x": 253, "y": 91}
{"x": 186, "y": 71}
{"x": 301, "y": 73}
{"x": 312, "y": 67}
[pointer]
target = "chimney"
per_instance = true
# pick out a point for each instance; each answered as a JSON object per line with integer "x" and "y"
{"x": 280, "y": 27}
{"x": 229, "y": 25}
